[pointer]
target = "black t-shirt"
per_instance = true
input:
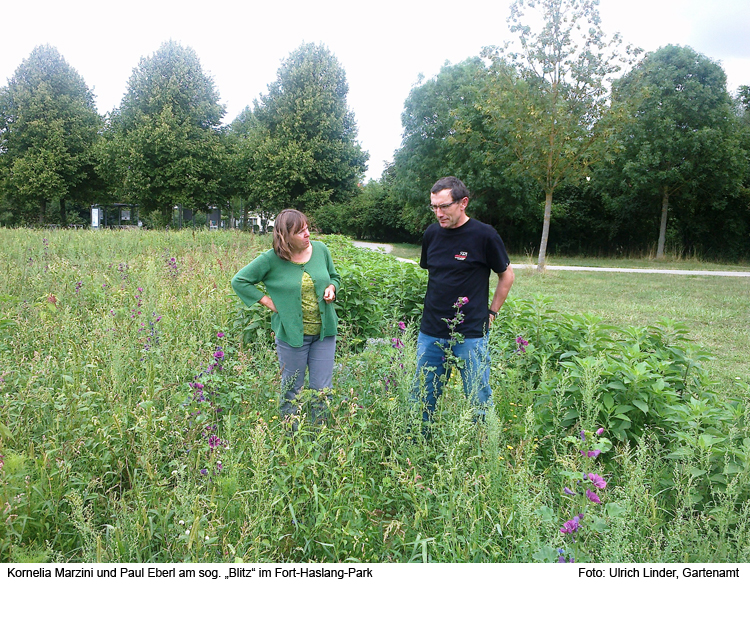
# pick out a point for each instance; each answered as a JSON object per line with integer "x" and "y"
{"x": 459, "y": 261}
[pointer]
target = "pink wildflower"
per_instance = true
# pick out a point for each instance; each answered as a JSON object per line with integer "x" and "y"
{"x": 593, "y": 496}
{"x": 569, "y": 527}
{"x": 599, "y": 482}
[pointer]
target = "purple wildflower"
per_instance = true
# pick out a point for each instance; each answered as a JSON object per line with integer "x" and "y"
{"x": 592, "y": 454}
{"x": 522, "y": 344}
{"x": 402, "y": 326}
{"x": 219, "y": 355}
{"x": 599, "y": 482}
{"x": 220, "y": 335}
{"x": 396, "y": 343}
{"x": 571, "y": 526}
{"x": 600, "y": 431}
{"x": 583, "y": 435}
{"x": 214, "y": 441}
{"x": 593, "y": 496}
{"x": 204, "y": 471}
{"x": 568, "y": 491}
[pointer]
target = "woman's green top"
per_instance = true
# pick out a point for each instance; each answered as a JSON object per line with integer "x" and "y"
{"x": 283, "y": 282}
{"x": 310, "y": 310}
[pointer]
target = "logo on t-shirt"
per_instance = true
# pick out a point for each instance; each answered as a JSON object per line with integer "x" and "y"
{"x": 461, "y": 256}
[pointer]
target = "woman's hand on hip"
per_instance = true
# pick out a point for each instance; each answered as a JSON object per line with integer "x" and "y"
{"x": 268, "y": 303}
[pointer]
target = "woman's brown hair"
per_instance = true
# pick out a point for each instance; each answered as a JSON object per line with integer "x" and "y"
{"x": 288, "y": 223}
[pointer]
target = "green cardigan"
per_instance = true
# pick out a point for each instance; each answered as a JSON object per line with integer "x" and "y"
{"x": 283, "y": 282}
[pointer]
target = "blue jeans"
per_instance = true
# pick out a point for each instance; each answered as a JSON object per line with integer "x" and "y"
{"x": 315, "y": 355}
{"x": 475, "y": 372}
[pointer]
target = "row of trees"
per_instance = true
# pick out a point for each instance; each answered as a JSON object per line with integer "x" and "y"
{"x": 165, "y": 144}
{"x": 602, "y": 150}
{"x": 598, "y": 148}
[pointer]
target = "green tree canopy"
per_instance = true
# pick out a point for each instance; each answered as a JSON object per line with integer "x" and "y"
{"x": 48, "y": 128}
{"x": 680, "y": 139}
{"x": 550, "y": 102}
{"x": 447, "y": 132}
{"x": 300, "y": 141}
{"x": 165, "y": 147}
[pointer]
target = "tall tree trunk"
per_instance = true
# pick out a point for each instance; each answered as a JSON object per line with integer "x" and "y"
{"x": 663, "y": 226}
{"x": 63, "y": 214}
{"x": 545, "y": 231}
{"x": 42, "y": 211}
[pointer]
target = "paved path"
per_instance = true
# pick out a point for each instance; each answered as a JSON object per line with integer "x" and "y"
{"x": 671, "y": 272}
{"x": 386, "y": 248}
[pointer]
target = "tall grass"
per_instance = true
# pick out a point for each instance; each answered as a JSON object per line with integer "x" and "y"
{"x": 139, "y": 423}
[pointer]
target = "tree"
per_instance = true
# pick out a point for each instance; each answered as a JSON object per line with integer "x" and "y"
{"x": 427, "y": 151}
{"x": 48, "y": 128}
{"x": 550, "y": 102}
{"x": 164, "y": 144}
{"x": 369, "y": 215}
{"x": 447, "y": 132}
{"x": 680, "y": 138}
{"x": 742, "y": 102}
{"x": 302, "y": 138}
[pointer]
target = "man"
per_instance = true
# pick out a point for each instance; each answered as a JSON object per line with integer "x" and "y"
{"x": 459, "y": 252}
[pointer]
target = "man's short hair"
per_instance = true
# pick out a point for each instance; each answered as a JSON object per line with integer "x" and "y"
{"x": 457, "y": 187}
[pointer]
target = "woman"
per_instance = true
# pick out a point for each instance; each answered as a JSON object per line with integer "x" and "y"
{"x": 301, "y": 284}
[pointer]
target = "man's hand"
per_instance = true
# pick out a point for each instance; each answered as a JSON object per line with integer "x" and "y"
{"x": 504, "y": 282}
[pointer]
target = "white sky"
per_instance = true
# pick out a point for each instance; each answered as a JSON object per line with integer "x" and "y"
{"x": 383, "y": 46}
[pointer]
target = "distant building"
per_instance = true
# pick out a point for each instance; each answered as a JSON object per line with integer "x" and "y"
{"x": 118, "y": 215}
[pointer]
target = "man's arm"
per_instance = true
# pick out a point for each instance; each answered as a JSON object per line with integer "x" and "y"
{"x": 504, "y": 282}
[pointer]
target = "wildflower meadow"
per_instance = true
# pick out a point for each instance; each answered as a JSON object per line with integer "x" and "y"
{"x": 139, "y": 422}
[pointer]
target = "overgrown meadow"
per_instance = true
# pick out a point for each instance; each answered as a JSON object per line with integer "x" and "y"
{"x": 139, "y": 422}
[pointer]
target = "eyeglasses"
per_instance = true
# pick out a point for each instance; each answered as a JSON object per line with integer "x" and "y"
{"x": 442, "y": 207}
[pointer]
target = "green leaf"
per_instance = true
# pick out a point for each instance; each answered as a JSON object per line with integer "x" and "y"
{"x": 705, "y": 441}
{"x": 614, "y": 509}
{"x": 546, "y": 554}
{"x": 545, "y": 513}
{"x": 599, "y": 525}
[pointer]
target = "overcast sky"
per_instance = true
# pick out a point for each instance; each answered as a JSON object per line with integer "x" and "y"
{"x": 383, "y": 46}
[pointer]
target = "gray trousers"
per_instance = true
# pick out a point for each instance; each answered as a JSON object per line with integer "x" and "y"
{"x": 315, "y": 355}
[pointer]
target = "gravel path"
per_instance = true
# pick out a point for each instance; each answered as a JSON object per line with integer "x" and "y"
{"x": 386, "y": 248}
{"x": 671, "y": 272}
